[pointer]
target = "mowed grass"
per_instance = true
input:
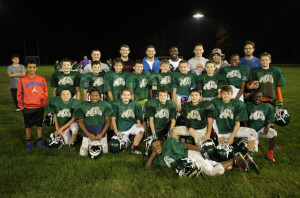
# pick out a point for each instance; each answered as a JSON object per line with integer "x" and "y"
{"x": 63, "y": 173}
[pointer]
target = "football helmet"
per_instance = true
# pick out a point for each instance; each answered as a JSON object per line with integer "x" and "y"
{"x": 148, "y": 146}
{"x": 49, "y": 119}
{"x": 209, "y": 147}
{"x": 224, "y": 152}
{"x": 116, "y": 144}
{"x": 187, "y": 167}
{"x": 95, "y": 149}
{"x": 243, "y": 145}
{"x": 54, "y": 141}
{"x": 282, "y": 117}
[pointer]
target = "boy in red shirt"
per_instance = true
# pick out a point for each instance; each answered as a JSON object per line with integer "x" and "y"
{"x": 32, "y": 97}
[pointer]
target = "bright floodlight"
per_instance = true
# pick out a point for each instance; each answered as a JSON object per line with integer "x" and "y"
{"x": 198, "y": 16}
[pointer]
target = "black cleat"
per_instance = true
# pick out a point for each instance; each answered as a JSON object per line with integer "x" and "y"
{"x": 240, "y": 161}
{"x": 252, "y": 163}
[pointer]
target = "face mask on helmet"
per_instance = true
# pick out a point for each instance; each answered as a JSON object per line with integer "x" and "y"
{"x": 54, "y": 141}
{"x": 187, "y": 167}
{"x": 116, "y": 144}
{"x": 209, "y": 147}
{"x": 224, "y": 152}
{"x": 282, "y": 117}
{"x": 95, "y": 149}
{"x": 49, "y": 119}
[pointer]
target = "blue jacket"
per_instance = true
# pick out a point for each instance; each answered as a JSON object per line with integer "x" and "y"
{"x": 155, "y": 67}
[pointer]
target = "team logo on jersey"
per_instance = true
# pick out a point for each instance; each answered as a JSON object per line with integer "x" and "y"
{"x": 194, "y": 114}
{"x": 234, "y": 73}
{"x": 64, "y": 113}
{"x": 98, "y": 82}
{"x": 169, "y": 161}
{"x": 129, "y": 113}
{"x": 163, "y": 113}
{"x": 165, "y": 80}
{"x": 94, "y": 111}
{"x": 266, "y": 79}
{"x": 67, "y": 80}
{"x": 144, "y": 83}
{"x": 210, "y": 85}
{"x": 119, "y": 82}
{"x": 257, "y": 115}
{"x": 185, "y": 81}
{"x": 226, "y": 113}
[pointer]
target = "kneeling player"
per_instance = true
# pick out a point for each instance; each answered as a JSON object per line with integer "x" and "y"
{"x": 126, "y": 119}
{"x": 171, "y": 150}
{"x": 63, "y": 107}
{"x": 261, "y": 115}
{"x": 94, "y": 120}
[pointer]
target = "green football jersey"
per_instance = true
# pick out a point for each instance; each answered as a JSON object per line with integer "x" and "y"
{"x": 235, "y": 75}
{"x": 259, "y": 115}
{"x": 93, "y": 114}
{"x": 268, "y": 80}
{"x": 197, "y": 115}
{"x": 210, "y": 84}
{"x": 63, "y": 110}
{"x": 172, "y": 150}
{"x": 138, "y": 83}
{"x": 229, "y": 113}
{"x": 91, "y": 81}
{"x": 162, "y": 81}
{"x": 126, "y": 114}
{"x": 75, "y": 66}
{"x": 115, "y": 82}
{"x": 162, "y": 113}
{"x": 184, "y": 83}
{"x": 65, "y": 81}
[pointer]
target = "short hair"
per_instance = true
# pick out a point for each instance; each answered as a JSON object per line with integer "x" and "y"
{"x": 210, "y": 61}
{"x": 164, "y": 62}
{"x": 195, "y": 90}
{"x": 162, "y": 91}
{"x": 95, "y": 49}
{"x": 31, "y": 61}
{"x": 125, "y": 45}
{"x": 155, "y": 140}
{"x": 249, "y": 43}
{"x": 226, "y": 88}
{"x": 150, "y": 46}
{"x": 173, "y": 47}
{"x": 65, "y": 89}
{"x": 265, "y": 54}
{"x": 15, "y": 56}
{"x": 138, "y": 61}
{"x": 198, "y": 44}
{"x": 95, "y": 90}
{"x": 118, "y": 60}
{"x": 95, "y": 63}
{"x": 66, "y": 60}
{"x": 125, "y": 89}
{"x": 183, "y": 61}
{"x": 235, "y": 54}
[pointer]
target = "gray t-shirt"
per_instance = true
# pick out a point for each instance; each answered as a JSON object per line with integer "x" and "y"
{"x": 197, "y": 66}
{"x": 15, "y": 80}
{"x": 88, "y": 68}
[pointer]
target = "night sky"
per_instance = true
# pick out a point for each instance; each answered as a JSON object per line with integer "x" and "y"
{"x": 72, "y": 30}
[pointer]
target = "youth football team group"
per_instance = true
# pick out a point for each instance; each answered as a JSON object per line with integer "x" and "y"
{"x": 165, "y": 100}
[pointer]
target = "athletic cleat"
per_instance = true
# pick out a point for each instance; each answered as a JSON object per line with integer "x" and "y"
{"x": 136, "y": 152}
{"x": 251, "y": 162}
{"x": 28, "y": 146}
{"x": 269, "y": 156}
{"x": 41, "y": 144}
{"x": 240, "y": 161}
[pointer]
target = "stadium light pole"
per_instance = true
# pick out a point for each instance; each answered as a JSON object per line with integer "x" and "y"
{"x": 198, "y": 16}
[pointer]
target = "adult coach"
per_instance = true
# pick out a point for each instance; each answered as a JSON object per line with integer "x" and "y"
{"x": 96, "y": 55}
{"x": 150, "y": 62}
{"x": 249, "y": 60}
{"x": 128, "y": 62}
{"x": 197, "y": 63}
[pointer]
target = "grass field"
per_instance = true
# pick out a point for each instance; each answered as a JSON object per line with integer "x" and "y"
{"x": 63, "y": 173}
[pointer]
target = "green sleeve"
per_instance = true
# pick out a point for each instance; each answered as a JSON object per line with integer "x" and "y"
{"x": 138, "y": 111}
{"x": 150, "y": 109}
{"x": 78, "y": 113}
{"x": 85, "y": 81}
{"x": 131, "y": 82}
{"x": 240, "y": 111}
{"x": 53, "y": 80}
{"x": 280, "y": 78}
{"x": 51, "y": 107}
{"x": 108, "y": 110}
{"x": 77, "y": 79}
{"x": 172, "y": 110}
{"x": 153, "y": 79}
{"x": 270, "y": 113}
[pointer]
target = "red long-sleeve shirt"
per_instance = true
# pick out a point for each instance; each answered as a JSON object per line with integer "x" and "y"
{"x": 32, "y": 92}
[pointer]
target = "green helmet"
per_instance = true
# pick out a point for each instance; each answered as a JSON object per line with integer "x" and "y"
{"x": 243, "y": 146}
{"x": 282, "y": 117}
{"x": 49, "y": 119}
{"x": 116, "y": 144}
{"x": 95, "y": 149}
{"x": 186, "y": 167}
{"x": 209, "y": 147}
{"x": 54, "y": 141}
{"x": 224, "y": 152}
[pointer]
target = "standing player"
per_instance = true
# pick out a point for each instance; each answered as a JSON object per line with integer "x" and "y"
{"x": 197, "y": 63}
{"x": 174, "y": 60}
{"x": 150, "y": 62}
{"x": 249, "y": 60}
{"x": 128, "y": 62}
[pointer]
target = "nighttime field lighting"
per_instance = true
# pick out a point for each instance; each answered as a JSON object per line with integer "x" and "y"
{"x": 198, "y": 16}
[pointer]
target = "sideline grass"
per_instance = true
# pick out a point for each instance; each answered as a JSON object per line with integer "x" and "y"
{"x": 63, "y": 173}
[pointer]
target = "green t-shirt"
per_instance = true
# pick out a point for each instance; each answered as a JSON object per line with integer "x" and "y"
{"x": 75, "y": 66}
{"x": 138, "y": 83}
{"x": 210, "y": 84}
{"x": 229, "y": 113}
{"x": 162, "y": 113}
{"x": 259, "y": 115}
{"x": 172, "y": 150}
{"x": 65, "y": 81}
{"x": 197, "y": 115}
{"x": 63, "y": 110}
{"x": 91, "y": 81}
{"x": 162, "y": 81}
{"x": 268, "y": 80}
{"x": 115, "y": 82}
{"x": 93, "y": 114}
{"x": 184, "y": 83}
{"x": 126, "y": 114}
{"x": 235, "y": 75}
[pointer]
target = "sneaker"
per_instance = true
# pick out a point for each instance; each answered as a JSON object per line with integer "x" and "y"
{"x": 18, "y": 109}
{"x": 136, "y": 152}
{"x": 41, "y": 144}
{"x": 83, "y": 151}
{"x": 240, "y": 161}
{"x": 269, "y": 156}
{"x": 28, "y": 146}
{"x": 251, "y": 162}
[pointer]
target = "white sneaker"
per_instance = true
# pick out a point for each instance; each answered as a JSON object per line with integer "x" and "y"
{"x": 83, "y": 152}
{"x": 136, "y": 152}
{"x": 18, "y": 109}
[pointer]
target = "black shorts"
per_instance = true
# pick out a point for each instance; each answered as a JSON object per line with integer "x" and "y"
{"x": 33, "y": 117}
